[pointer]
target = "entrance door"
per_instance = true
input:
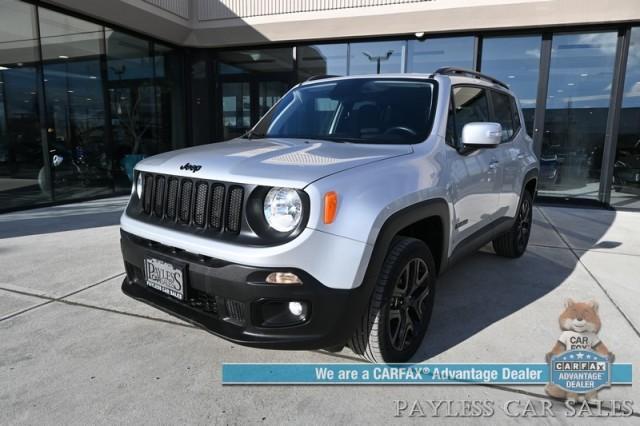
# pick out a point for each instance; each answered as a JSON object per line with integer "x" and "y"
{"x": 245, "y": 99}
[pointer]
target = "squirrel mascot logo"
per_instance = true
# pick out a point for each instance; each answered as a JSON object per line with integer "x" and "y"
{"x": 580, "y": 325}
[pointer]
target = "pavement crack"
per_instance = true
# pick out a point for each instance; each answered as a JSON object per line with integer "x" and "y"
{"x": 131, "y": 314}
{"x": 597, "y": 281}
{"x": 62, "y": 299}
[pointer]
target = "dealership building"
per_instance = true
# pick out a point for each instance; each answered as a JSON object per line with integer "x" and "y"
{"x": 88, "y": 87}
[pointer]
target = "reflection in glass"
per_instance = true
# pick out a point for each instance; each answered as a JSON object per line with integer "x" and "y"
{"x": 580, "y": 78}
{"x": 269, "y": 93}
{"x": 133, "y": 102}
{"x": 377, "y": 57}
{"x": 22, "y": 181}
{"x": 515, "y": 61}
{"x": 170, "y": 131}
{"x": 427, "y": 55}
{"x": 236, "y": 109}
{"x": 324, "y": 59}
{"x": 626, "y": 169}
{"x": 79, "y": 156}
{"x": 256, "y": 61}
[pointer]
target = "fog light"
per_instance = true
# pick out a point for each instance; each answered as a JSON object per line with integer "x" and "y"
{"x": 283, "y": 278}
{"x": 296, "y": 308}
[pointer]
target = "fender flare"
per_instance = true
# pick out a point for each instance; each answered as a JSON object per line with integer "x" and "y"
{"x": 399, "y": 220}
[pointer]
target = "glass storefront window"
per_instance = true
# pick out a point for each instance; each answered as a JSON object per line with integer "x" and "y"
{"x": 580, "y": 78}
{"x": 169, "y": 97}
{"x": 80, "y": 158}
{"x": 236, "y": 109}
{"x": 133, "y": 102}
{"x": 515, "y": 61}
{"x": 256, "y": 61}
{"x": 377, "y": 57}
{"x": 323, "y": 59}
{"x": 22, "y": 172}
{"x": 427, "y": 55}
{"x": 626, "y": 170}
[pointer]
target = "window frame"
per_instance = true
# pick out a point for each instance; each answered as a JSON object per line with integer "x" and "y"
{"x": 512, "y": 113}
{"x": 452, "y": 104}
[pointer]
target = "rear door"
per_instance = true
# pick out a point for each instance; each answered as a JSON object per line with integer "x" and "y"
{"x": 475, "y": 176}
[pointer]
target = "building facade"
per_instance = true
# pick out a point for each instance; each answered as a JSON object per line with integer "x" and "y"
{"x": 89, "y": 88}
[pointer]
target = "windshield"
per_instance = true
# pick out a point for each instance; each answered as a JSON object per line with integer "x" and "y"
{"x": 389, "y": 111}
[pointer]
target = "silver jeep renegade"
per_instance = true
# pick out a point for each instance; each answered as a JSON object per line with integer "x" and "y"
{"x": 329, "y": 222}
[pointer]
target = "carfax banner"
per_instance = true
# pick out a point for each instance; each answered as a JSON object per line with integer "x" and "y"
{"x": 577, "y": 376}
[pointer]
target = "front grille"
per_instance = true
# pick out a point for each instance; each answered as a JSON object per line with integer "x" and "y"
{"x": 203, "y": 301}
{"x": 235, "y": 310}
{"x": 201, "y": 204}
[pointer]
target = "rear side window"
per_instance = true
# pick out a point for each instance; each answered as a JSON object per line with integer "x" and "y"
{"x": 503, "y": 114}
{"x": 471, "y": 105}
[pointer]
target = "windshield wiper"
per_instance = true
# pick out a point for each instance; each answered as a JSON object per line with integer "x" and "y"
{"x": 253, "y": 135}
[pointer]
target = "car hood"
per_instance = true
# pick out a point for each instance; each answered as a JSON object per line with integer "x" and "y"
{"x": 293, "y": 163}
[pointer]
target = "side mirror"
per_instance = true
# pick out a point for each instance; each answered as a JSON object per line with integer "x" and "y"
{"x": 481, "y": 135}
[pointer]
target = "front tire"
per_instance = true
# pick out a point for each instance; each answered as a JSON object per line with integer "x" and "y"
{"x": 401, "y": 305}
{"x": 513, "y": 243}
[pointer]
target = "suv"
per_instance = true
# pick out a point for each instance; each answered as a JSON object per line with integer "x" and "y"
{"x": 328, "y": 223}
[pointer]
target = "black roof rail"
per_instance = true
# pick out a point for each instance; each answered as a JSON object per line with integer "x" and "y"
{"x": 320, "y": 77}
{"x": 470, "y": 73}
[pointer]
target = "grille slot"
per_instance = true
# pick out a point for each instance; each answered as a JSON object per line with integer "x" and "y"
{"x": 200, "y": 204}
{"x": 148, "y": 193}
{"x": 172, "y": 198}
{"x": 185, "y": 200}
{"x": 217, "y": 203}
{"x": 158, "y": 205}
{"x": 236, "y": 194}
{"x": 206, "y": 205}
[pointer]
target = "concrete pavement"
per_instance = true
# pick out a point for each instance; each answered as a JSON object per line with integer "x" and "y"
{"x": 74, "y": 350}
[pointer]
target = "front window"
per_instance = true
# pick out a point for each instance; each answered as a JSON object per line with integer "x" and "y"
{"x": 389, "y": 111}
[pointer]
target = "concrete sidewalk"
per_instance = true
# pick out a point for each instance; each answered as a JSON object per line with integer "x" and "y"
{"x": 74, "y": 350}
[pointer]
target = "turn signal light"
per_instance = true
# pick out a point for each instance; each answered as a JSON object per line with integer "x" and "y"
{"x": 330, "y": 207}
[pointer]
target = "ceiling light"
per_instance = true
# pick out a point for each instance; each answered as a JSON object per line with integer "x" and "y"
{"x": 92, "y": 77}
{"x": 69, "y": 91}
{"x": 63, "y": 57}
{"x": 584, "y": 74}
{"x": 511, "y": 76}
{"x": 419, "y": 34}
{"x": 4, "y": 68}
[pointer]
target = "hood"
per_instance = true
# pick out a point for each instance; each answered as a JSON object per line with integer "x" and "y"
{"x": 293, "y": 163}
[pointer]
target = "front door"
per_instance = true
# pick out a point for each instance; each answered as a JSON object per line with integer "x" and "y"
{"x": 245, "y": 99}
{"x": 475, "y": 175}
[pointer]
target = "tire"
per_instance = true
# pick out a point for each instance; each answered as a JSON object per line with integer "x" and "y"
{"x": 513, "y": 243}
{"x": 400, "y": 309}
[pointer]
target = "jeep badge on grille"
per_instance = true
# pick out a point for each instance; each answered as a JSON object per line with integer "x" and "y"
{"x": 191, "y": 167}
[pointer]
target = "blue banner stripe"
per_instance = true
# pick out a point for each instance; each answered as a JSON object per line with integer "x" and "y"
{"x": 505, "y": 374}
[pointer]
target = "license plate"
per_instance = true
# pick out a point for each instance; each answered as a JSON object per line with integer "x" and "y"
{"x": 164, "y": 276}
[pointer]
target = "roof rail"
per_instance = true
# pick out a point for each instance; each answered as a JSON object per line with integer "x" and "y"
{"x": 320, "y": 77}
{"x": 470, "y": 73}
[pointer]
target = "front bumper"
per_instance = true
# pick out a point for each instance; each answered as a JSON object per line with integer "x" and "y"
{"x": 229, "y": 299}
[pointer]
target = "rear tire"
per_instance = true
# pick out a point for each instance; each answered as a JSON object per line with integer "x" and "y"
{"x": 399, "y": 312}
{"x": 513, "y": 243}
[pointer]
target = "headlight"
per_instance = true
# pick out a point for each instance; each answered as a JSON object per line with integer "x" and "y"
{"x": 139, "y": 186}
{"x": 283, "y": 209}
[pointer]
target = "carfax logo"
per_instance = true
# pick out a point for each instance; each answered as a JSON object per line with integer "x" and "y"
{"x": 579, "y": 362}
{"x": 580, "y": 372}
